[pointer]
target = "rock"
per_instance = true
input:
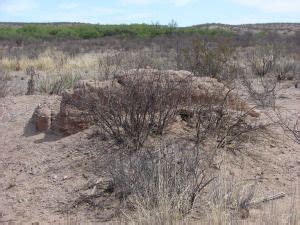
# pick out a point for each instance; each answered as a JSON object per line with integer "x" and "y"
{"x": 71, "y": 119}
{"x": 42, "y": 118}
{"x": 45, "y": 113}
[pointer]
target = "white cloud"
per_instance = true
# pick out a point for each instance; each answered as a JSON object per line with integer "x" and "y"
{"x": 279, "y": 6}
{"x": 148, "y": 2}
{"x": 18, "y": 6}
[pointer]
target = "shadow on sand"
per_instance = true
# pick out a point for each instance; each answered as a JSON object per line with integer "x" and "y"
{"x": 50, "y": 136}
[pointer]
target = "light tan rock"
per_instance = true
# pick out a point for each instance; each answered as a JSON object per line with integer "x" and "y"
{"x": 45, "y": 113}
{"x": 42, "y": 118}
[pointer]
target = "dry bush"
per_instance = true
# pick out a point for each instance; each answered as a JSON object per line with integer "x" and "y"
{"x": 266, "y": 67}
{"x": 161, "y": 184}
{"x": 109, "y": 65}
{"x": 285, "y": 69}
{"x": 4, "y": 83}
{"x": 214, "y": 120}
{"x": 206, "y": 59}
{"x": 30, "y": 71}
{"x": 262, "y": 90}
{"x": 260, "y": 79}
{"x": 262, "y": 60}
{"x": 144, "y": 105}
{"x": 290, "y": 125}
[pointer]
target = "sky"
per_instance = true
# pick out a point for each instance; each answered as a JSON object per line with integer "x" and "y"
{"x": 184, "y": 12}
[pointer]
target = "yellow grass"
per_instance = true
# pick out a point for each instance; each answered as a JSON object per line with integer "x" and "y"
{"x": 50, "y": 60}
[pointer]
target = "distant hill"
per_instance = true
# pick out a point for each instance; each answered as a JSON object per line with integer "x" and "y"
{"x": 255, "y": 26}
{"x": 48, "y": 31}
{"x": 282, "y": 28}
{"x": 66, "y": 30}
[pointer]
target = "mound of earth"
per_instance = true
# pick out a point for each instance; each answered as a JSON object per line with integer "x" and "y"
{"x": 69, "y": 115}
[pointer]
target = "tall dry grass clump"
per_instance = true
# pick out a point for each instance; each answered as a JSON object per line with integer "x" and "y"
{"x": 43, "y": 62}
{"x": 56, "y": 83}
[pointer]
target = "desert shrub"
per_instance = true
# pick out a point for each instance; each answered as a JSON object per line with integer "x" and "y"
{"x": 266, "y": 66}
{"x": 109, "y": 65}
{"x": 262, "y": 90}
{"x": 262, "y": 60}
{"x": 205, "y": 59}
{"x": 4, "y": 83}
{"x": 215, "y": 121}
{"x": 161, "y": 185}
{"x": 285, "y": 68}
{"x": 30, "y": 71}
{"x": 143, "y": 105}
{"x": 260, "y": 79}
{"x": 290, "y": 125}
{"x": 55, "y": 84}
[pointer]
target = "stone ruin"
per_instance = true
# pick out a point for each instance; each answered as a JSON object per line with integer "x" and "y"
{"x": 66, "y": 114}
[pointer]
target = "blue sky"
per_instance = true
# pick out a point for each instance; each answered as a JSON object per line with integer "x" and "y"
{"x": 184, "y": 12}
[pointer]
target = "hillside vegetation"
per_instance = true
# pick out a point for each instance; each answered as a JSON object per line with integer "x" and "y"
{"x": 89, "y": 31}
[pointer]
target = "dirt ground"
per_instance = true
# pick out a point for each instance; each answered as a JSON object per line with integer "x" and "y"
{"x": 41, "y": 175}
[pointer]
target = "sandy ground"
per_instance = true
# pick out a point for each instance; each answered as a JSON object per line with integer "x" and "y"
{"x": 42, "y": 174}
